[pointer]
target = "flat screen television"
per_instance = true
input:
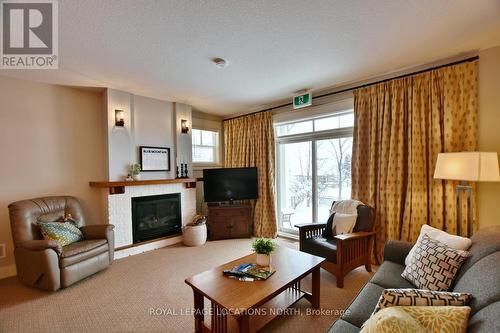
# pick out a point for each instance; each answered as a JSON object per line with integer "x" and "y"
{"x": 228, "y": 184}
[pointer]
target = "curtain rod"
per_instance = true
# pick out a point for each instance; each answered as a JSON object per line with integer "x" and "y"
{"x": 365, "y": 85}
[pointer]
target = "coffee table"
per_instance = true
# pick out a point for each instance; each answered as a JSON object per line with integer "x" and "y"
{"x": 238, "y": 306}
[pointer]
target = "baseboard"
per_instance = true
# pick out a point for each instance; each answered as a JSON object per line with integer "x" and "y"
{"x": 147, "y": 247}
{"x": 8, "y": 271}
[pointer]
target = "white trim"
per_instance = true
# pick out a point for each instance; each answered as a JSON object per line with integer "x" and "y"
{"x": 287, "y": 235}
{"x": 8, "y": 271}
{"x": 337, "y": 103}
{"x": 147, "y": 247}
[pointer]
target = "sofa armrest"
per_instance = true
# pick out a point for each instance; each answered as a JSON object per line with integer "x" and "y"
{"x": 397, "y": 251}
{"x": 41, "y": 244}
{"x": 354, "y": 235}
{"x": 97, "y": 231}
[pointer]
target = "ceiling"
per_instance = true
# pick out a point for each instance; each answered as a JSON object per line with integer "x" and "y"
{"x": 163, "y": 49}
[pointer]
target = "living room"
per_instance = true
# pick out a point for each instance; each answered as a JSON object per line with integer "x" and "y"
{"x": 271, "y": 166}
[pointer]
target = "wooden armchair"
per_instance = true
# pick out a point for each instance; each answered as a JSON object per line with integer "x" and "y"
{"x": 344, "y": 252}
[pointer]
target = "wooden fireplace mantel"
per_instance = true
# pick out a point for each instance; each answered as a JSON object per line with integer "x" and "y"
{"x": 118, "y": 187}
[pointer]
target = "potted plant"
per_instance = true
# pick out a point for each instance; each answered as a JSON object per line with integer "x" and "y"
{"x": 135, "y": 171}
{"x": 263, "y": 247}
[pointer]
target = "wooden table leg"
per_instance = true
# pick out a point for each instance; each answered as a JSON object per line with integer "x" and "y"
{"x": 243, "y": 323}
{"x": 316, "y": 286}
{"x": 199, "y": 307}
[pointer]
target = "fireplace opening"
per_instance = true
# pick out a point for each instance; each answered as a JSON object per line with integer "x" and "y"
{"x": 156, "y": 216}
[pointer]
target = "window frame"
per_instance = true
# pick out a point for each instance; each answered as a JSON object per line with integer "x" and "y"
{"x": 216, "y": 148}
{"x": 312, "y": 137}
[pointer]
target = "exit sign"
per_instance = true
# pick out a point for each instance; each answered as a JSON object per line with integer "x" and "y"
{"x": 301, "y": 101}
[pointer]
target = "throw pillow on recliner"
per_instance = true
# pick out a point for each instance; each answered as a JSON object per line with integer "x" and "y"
{"x": 64, "y": 233}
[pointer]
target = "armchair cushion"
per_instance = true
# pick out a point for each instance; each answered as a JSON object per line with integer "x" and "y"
{"x": 328, "y": 232}
{"x": 80, "y": 251}
{"x": 322, "y": 247}
{"x": 97, "y": 231}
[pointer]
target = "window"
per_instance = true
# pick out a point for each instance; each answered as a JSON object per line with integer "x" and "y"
{"x": 205, "y": 146}
{"x": 314, "y": 168}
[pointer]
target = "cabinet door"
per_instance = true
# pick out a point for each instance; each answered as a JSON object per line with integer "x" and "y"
{"x": 239, "y": 226}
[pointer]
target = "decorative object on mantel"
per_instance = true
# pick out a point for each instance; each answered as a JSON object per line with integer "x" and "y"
{"x": 195, "y": 233}
{"x": 134, "y": 170}
{"x": 182, "y": 165}
{"x": 263, "y": 248}
{"x": 184, "y": 126}
{"x": 467, "y": 167}
{"x": 154, "y": 158}
{"x": 119, "y": 118}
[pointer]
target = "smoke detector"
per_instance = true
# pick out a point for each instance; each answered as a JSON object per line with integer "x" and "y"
{"x": 219, "y": 62}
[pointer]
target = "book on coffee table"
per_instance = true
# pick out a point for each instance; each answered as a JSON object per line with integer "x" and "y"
{"x": 250, "y": 271}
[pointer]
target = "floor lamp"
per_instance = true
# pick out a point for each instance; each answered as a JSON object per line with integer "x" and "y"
{"x": 466, "y": 167}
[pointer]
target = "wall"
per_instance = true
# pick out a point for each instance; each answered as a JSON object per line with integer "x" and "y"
{"x": 153, "y": 126}
{"x": 148, "y": 122}
{"x": 50, "y": 145}
{"x": 489, "y": 131}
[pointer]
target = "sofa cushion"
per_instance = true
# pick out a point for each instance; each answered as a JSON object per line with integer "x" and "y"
{"x": 322, "y": 247}
{"x": 482, "y": 281}
{"x": 80, "y": 251}
{"x": 342, "y": 326}
{"x": 433, "y": 265}
{"x": 485, "y": 320}
{"x": 389, "y": 276}
{"x": 363, "y": 305}
{"x": 484, "y": 243}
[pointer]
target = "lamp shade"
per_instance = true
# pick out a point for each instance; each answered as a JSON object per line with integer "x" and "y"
{"x": 468, "y": 166}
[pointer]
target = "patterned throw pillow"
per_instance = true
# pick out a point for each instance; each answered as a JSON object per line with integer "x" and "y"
{"x": 449, "y": 319}
{"x": 392, "y": 320}
{"x": 419, "y": 297}
{"x": 416, "y": 319}
{"x": 433, "y": 265}
{"x": 64, "y": 233}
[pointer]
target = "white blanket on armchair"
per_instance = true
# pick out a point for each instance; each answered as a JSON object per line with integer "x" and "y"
{"x": 346, "y": 207}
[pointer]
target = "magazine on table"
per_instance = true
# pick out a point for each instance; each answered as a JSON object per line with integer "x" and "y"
{"x": 250, "y": 271}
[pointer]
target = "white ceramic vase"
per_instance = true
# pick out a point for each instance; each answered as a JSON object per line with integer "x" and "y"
{"x": 263, "y": 260}
{"x": 137, "y": 177}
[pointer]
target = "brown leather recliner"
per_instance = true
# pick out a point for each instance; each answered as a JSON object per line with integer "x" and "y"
{"x": 46, "y": 264}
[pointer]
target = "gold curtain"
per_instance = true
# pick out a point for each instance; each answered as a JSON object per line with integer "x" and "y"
{"x": 249, "y": 142}
{"x": 400, "y": 127}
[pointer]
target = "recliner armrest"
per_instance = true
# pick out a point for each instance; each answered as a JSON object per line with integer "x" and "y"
{"x": 97, "y": 231}
{"x": 41, "y": 244}
{"x": 396, "y": 251}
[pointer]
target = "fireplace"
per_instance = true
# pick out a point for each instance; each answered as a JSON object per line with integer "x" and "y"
{"x": 156, "y": 216}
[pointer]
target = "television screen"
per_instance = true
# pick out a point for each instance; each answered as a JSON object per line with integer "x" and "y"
{"x": 228, "y": 184}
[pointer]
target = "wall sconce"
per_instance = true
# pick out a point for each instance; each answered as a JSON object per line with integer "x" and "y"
{"x": 184, "y": 126}
{"x": 119, "y": 118}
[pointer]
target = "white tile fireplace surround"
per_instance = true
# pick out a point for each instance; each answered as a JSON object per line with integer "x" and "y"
{"x": 120, "y": 213}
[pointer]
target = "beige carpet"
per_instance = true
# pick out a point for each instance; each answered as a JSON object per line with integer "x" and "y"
{"x": 120, "y": 298}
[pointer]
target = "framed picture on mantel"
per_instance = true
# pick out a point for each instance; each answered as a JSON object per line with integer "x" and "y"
{"x": 155, "y": 158}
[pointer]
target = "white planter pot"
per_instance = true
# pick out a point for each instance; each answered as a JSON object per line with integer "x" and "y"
{"x": 137, "y": 177}
{"x": 263, "y": 259}
{"x": 194, "y": 235}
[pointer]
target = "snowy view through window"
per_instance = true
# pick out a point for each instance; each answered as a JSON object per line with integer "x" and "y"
{"x": 314, "y": 168}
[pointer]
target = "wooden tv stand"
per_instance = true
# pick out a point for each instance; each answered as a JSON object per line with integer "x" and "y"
{"x": 229, "y": 221}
